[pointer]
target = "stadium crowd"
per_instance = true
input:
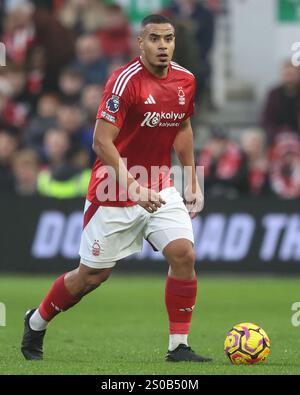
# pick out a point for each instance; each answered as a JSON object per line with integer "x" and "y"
{"x": 59, "y": 55}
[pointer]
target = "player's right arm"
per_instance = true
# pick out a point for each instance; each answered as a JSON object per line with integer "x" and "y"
{"x": 118, "y": 97}
{"x": 103, "y": 145}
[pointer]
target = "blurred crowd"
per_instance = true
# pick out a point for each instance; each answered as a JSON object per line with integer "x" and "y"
{"x": 59, "y": 54}
{"x": 265, "y": 161}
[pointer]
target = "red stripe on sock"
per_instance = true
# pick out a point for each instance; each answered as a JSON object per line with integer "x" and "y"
{"x": 58, "y": 299}
{"x": 180, "y": 299}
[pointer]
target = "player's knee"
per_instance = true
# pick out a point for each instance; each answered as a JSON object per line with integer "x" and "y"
{"x": 189, "y": 258}
{"x": 185, "y": 258}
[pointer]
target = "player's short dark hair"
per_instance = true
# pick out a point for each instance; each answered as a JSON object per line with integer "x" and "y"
{"x": 156, "y": 18}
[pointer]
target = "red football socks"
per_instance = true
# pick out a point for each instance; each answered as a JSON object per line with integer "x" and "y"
{"x": 180, "y": 299}
{"x": 57, "y": 299}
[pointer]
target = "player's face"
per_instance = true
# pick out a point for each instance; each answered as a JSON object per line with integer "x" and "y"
{"x": 157, "y": 43}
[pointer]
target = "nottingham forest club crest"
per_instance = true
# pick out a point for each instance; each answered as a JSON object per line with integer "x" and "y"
{"x": 113, "y": 104}
{"x": 181, "y": 96}
{"x": 96, "y": 248}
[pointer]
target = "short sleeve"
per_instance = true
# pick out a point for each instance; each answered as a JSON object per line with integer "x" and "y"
{"x": 113, "y": 108}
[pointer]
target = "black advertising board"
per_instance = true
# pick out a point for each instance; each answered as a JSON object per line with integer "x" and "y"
{"x": 43, "y": 235}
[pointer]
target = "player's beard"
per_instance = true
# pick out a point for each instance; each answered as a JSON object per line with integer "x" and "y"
{"x": 161, "y": 66}
{"x": 157, "y": 65}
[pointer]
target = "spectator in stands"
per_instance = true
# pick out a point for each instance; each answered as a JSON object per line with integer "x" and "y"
{"x": 90, "y": 104}
{"x": 44, "y": 119}
{"x": 90, "y": 101}
{"x": 8, "y": 147}
{"x": 12, "y": 113}
{"x": 115, "y": 37}
{"x": 5, "y": 104}
{"x": 16, "y": 76}
{"x": 69, "y": 179}
{"x": 27, "y": 28}
{"x": 56, "y": 144}
{"x": 26, "y": 167}
{"x": 253, "y": 145}
{"x": 225, "y": 166}
{"x": 285, "y": 166}
{"x": 83, "y": 16}
{"x": 282, "y": 107}
{"x": 89, "y": 61}
{"x": 117, "y": 63}
{"x": 19, "y": 106}
{"x": 196, "y": 24}
{"x": 36, "y": 74}
{"x": 71, "y": 84}
{"x": 70, "y": 118}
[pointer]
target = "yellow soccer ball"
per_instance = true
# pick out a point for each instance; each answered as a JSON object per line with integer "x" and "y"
{"x": 247, "y": 343}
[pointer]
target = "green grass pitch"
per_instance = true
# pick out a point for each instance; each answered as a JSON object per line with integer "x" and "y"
{"x": 121, "y": 328}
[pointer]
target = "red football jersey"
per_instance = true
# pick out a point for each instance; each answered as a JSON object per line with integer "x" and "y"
{"x": 149, "y": 111}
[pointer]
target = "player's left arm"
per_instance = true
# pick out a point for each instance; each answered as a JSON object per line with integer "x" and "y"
{"x": 184, "y": 148}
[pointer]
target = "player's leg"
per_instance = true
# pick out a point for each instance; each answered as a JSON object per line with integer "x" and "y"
{"x": 170, "y": 232}
{"x": 65, "y": 292}
{"x": 180, "y": 291}
{"x": 109, "y": 234}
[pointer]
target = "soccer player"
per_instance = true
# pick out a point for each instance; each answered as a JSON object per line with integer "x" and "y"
{"x": 144, "y": 112}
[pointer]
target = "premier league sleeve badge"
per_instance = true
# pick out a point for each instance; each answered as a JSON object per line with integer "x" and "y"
{"x": 113, "y": 104}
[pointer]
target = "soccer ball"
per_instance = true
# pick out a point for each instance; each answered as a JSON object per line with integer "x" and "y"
{"x": 247, "y": 343}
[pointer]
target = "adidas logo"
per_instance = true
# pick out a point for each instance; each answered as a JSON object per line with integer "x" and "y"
{"x": 150, "y": 100}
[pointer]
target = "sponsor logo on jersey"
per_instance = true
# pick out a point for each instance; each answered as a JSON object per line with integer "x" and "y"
{"x": 181, "y": 96}
{"x": 113, "y": 104}
{"x": 153, "y": 119}
{"x": 96, "y": 248}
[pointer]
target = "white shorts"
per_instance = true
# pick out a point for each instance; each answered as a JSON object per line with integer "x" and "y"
{"x": 112, "y": 233}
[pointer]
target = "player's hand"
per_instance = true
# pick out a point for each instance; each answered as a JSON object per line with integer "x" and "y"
{"x": 150, "y": 200}
{"x": 194, "y": 200}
